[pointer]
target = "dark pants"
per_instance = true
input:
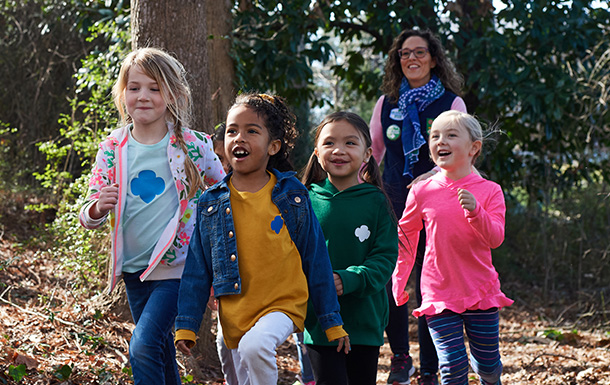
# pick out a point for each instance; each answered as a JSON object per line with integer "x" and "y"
{"x": 330, "y": 367}
{"x": 398, "y": 325}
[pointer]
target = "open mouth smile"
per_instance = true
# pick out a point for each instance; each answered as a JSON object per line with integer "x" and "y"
{"x": 240, "y": 153}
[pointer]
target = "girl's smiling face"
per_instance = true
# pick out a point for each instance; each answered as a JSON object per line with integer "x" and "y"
{"x": 452, "y": 148}
{"x": 341, "y": 151}
{"x": 247, "y": 143}
{"x": 143, "y": 99}
{"x": 418, "y": 71}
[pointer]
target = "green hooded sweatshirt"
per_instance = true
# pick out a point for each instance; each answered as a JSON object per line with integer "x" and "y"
{"x": 362, "y": 240}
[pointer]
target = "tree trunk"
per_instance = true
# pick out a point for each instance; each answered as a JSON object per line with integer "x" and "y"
{"x": 222, "y": 69}
{"x": 179, "y": 27}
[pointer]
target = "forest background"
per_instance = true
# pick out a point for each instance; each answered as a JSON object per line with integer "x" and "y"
{"x": 538, "y": 70}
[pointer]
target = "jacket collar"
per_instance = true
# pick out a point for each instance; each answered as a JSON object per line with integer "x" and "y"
{"x": 223, "y": 184}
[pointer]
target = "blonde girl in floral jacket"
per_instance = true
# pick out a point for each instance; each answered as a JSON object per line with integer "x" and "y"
{"x": 146, "y": 180}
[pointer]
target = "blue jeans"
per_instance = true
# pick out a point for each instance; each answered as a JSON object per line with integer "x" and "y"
{"x": 154, "y": 306}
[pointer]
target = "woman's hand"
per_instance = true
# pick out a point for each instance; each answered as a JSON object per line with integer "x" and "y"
{"x": 422, "y": 177}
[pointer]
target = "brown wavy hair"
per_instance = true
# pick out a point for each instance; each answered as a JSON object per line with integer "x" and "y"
{"x": 445, "y": 70}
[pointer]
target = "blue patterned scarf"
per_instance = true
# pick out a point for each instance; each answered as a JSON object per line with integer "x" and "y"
{"x": 411, "y": 102}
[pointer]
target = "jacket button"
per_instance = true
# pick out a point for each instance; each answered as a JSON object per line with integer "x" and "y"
{"x": 233, "y": 257}
{"x": 297, "y": 199}
{"x": 210, "y": 209}
{"x": 228, "y": 210}
{"x": 230, "y": 234}
{"x": 236, "y": 286}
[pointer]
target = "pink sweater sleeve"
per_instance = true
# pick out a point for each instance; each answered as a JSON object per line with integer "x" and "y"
{"x": 377, "y": 132}
{"x": 409, "y": 227}
{"x": 488, "y": 223}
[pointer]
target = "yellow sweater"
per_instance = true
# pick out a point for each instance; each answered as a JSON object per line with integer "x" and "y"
{"x": 269, "y": 266}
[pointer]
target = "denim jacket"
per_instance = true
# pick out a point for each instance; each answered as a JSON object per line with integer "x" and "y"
{"x": 213, "y": 256}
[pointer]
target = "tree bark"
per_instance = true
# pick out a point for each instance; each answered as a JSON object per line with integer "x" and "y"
{"x": 180, "y": 28}
{"x": 222, "y": 69}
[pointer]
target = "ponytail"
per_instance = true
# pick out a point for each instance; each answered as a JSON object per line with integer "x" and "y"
{"x": 313, "y": 173}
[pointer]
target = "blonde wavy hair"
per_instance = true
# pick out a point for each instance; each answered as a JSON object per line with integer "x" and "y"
{"x": 170, "y": 75}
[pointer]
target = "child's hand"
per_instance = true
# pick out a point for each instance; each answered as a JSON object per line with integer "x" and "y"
{"x": 344, "y": 345}
{"x": 338, "y": 284}
{"x": 109, "y": 196}
{"x": 213, "y": 303}
{"x": 467, "y": 200}
{"x": 181, "y": 345}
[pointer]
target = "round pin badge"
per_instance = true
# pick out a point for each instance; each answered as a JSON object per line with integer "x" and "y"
{"x": 393, "y": 132}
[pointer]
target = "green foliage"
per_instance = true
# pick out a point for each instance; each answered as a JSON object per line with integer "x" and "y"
{"x": 63, "y": 372}
{"x": 92, "y": 117}
{"x": 41, "y": 43}
{"x": 92, "y": 113}
{"x": 374, "y": 24}
{"x": 77, "y": 249}
{"x": 17, "y": 373}
{"x": 268, "y": 36}
{"x": 530, "y": 72}
{"x": 562, "y": 246}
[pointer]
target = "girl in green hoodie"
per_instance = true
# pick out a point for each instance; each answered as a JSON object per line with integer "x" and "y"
{"x": 344, "y": 184}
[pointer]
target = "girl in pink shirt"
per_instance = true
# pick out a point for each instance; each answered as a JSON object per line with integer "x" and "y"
{"x": 464, "y": 219}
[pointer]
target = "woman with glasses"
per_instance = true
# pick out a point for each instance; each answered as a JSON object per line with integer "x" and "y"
{"x": 420, "y": 83}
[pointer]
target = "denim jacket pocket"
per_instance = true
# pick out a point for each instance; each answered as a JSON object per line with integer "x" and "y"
{"x": 297, "y": 201}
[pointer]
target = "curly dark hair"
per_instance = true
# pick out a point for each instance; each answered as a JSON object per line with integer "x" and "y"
{"x": 280, "y": 122}
{"x": 445, "y": 70}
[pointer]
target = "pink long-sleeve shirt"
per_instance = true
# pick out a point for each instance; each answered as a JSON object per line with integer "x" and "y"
{"x": 457, "y": 273}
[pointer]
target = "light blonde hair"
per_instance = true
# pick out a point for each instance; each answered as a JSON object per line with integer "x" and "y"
{"x": 465, "y": 121}
{"x": 170, "y": 75}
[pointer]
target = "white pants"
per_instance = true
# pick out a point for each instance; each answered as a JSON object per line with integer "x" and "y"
{"x": 226, "y": 360}
{"x": 256, "y": 350}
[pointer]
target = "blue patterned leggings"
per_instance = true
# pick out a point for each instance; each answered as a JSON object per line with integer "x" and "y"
{"x": 482, "y": 329}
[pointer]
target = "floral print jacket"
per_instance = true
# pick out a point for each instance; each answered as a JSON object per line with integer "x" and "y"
{"x": 169, "y": 254}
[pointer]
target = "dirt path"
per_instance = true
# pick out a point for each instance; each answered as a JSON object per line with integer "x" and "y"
{"x": 59, "y": 338}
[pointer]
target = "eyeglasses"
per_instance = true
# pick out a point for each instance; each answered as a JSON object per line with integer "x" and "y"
{"x": 419, "y": 52}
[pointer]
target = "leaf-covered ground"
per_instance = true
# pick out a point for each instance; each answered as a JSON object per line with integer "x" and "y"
{"x": 52, "y": 335}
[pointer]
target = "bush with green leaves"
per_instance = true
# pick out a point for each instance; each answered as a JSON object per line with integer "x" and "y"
{"x": 92, "y": 117}
{"x": 41, "y": 45}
